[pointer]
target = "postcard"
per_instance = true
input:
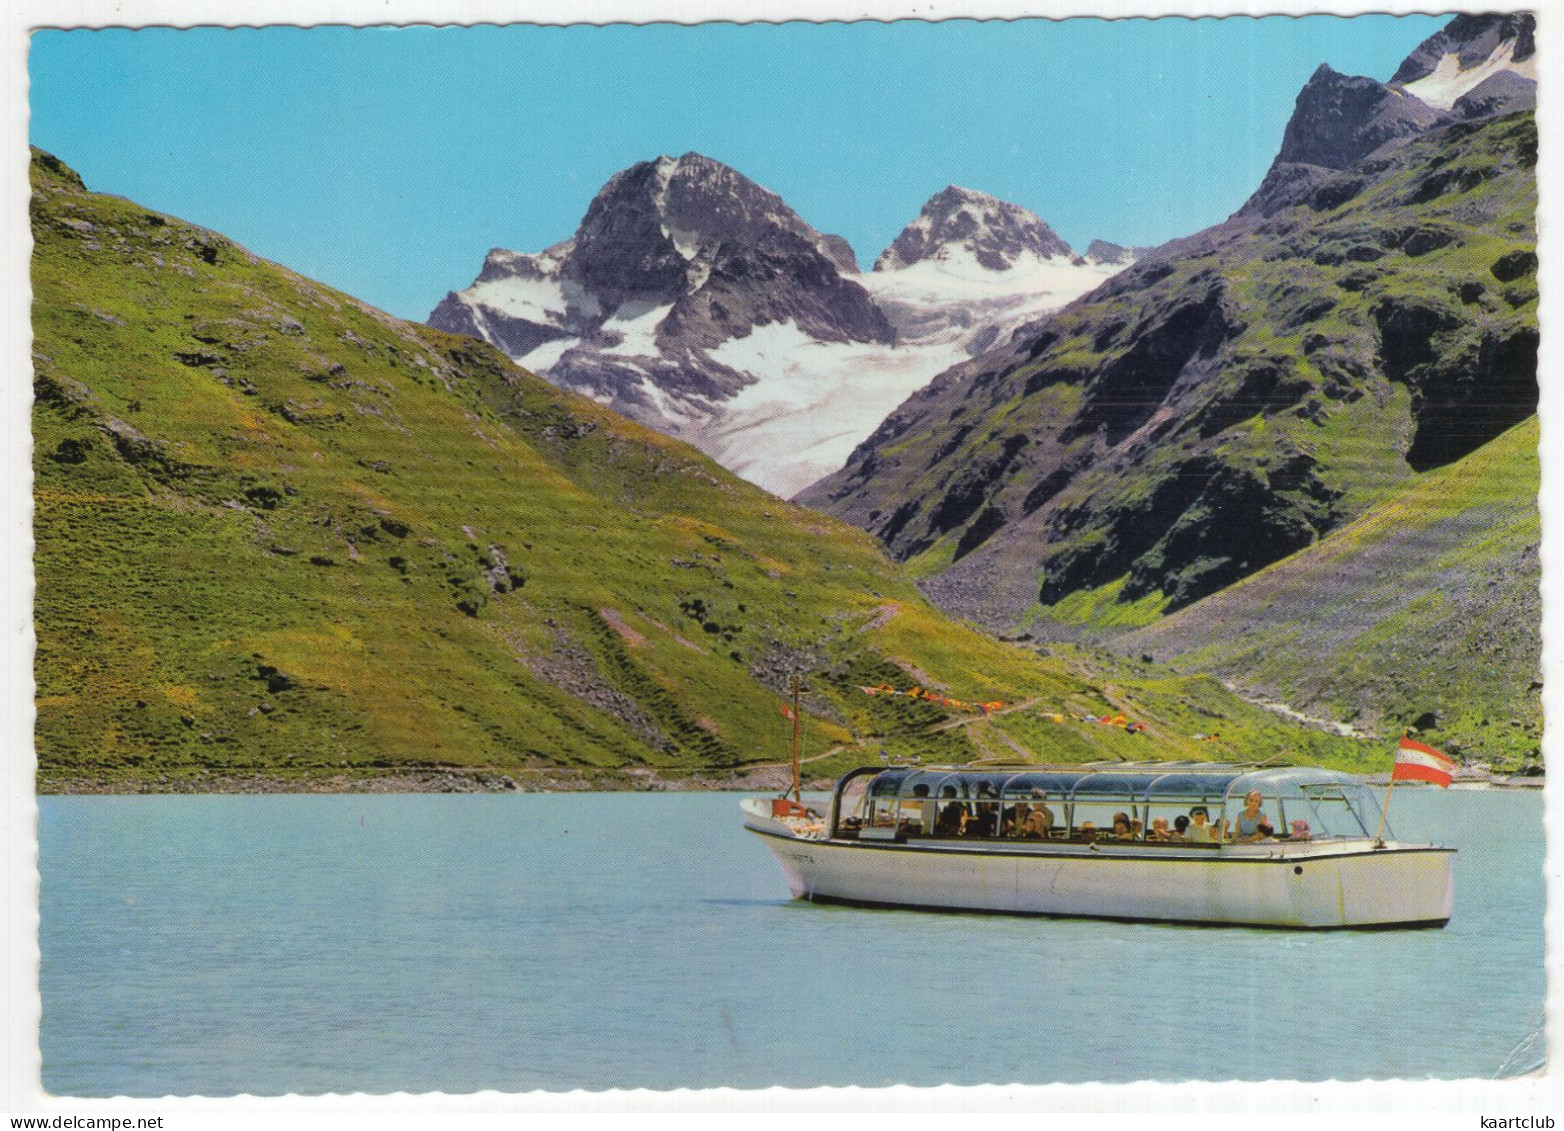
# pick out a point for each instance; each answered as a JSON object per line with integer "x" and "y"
{"x": 571, "y": 557}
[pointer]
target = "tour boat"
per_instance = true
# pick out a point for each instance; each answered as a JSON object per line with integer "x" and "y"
{"x": 1041, "y": 840}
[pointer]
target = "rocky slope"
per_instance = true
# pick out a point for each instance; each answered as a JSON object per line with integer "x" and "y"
{"x": 1235, "y": 395}
{"x": 697, "y": 302}
{"x": 1422, "y": 613}
{"x": 284, "y": 540}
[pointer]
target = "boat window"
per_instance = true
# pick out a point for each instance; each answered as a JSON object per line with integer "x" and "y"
{"x": 1340, "y": 810}
{"x": 1099, "y": 814}
{"x": 923, "y": 783}
{"x": 1180, "y": 785}
{"x": 1056, "y": 785}
{"x": 851, "y": 804}
{"x": 1119, "y": 785}
{"x": 882, "y": 812}
{"x": 888, "y": 782}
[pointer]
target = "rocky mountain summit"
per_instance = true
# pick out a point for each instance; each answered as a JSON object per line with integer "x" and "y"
{"x": 673, "y": 257}
{"x": 973, "y": 269}
{"x": 1112, "y": 254}
{"x": 1476, "y": 67}
{"x": 959, "y": 221}
{"x": 1233, "y": 396}
{"x": 1468, "y": 53}
{"x": 700, "y": 304}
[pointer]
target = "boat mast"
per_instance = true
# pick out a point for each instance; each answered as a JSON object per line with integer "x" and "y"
{"x": 798, "y": 795}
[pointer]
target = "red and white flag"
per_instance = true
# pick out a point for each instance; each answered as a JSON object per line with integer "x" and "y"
{"x": 1416, "y": 762}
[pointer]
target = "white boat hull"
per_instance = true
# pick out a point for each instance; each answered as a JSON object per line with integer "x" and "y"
{"x": 1314, "y": 885}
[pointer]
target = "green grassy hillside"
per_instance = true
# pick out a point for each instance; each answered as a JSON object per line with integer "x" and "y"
{"x": 1423, "y": 612}
{"x": 284, "y": 539}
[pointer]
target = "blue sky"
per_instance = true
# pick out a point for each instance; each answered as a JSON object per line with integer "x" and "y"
{"x": 387, "y": 161}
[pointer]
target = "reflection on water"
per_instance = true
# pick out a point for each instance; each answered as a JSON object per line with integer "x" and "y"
{"x": 367, "y": 943}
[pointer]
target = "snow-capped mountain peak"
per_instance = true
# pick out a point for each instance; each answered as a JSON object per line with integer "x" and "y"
{"x": 959, "y": 224}
{"x": 694, "y": 300}
{"x": 972, "y": 267}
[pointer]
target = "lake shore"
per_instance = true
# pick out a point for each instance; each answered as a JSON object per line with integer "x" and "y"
{"x": 451, "y": 780}
{"x": 550, "y": 780}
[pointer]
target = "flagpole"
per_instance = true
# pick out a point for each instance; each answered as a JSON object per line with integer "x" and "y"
{"x": 1379, "y": 837}
{"x": 798, "y": 795}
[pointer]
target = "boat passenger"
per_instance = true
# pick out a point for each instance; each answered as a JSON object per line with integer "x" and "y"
{"x": 1088, "y": 830}
{"x": 1199, "y": 831}
{"x": 1037, "y": 824}
{"x": 952, "y": 814}
{"x": 1300, "y": 830}
{"x": 1014, "y": 817}
{"x": 1246, "y": 829}
{"x": 984, "y": 822}
{"x": 1020, "y": 815}
{"x": 1159, "y": 829}
{"x": 1180, "y": 827}
{"x": 1122, "y": 829}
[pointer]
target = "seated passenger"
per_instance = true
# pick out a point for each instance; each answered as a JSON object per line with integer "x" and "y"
{"x": 1036, "y": 825}
{"x": 1159, "y": 829}
{"x": 1199, "y": 831}
{"x": 1180, "y": 827}
{"x": 1088, "y": 830}
{"x": 1039, "y": 806}
{"x": 1122, "y": 829}
{"x": 952, "y": 814}
{"x": 1247, "y": 826}
{"x": 984, "y": 822}
{"x": 1019, "y": 815}
{"x": 1014, "y": 818}
{"x": 1300, "y": 830}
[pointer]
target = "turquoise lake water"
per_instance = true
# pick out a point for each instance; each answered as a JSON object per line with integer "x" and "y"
{"x": 273, "y": 944}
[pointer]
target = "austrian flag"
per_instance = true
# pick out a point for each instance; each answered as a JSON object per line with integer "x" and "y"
{"x": 1416, "y": 762}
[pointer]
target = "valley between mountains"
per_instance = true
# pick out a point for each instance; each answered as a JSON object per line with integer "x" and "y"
{"x": 288, "y": 541}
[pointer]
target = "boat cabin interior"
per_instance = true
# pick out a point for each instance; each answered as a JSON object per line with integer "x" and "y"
{"x": 1172, "y": 803}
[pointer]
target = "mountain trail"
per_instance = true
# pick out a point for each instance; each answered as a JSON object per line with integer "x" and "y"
{"x": 1346, "y": 730}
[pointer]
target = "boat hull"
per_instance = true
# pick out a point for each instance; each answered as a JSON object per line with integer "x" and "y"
{"x": 1315, "y": 886}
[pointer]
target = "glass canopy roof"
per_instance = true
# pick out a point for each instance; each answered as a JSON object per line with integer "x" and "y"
{"x": 1129, "y": 781}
